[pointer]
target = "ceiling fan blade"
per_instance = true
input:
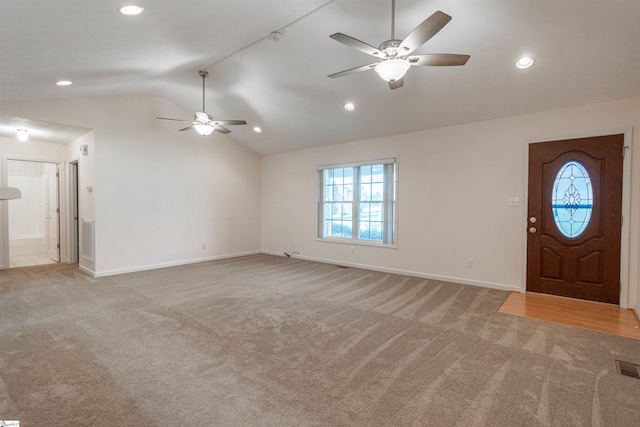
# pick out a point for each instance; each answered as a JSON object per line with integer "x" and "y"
{"x": 396, "y": 84}
{"x": 229, "y": 122}
{"x": 423, "y": 32}
{"x": 353, "y": 70}
{"x": 176, "y": 120}
{"x": 357, "y": 44}
{"x": 187, "y": 128}
{"x": 439, "y": 59}
{"x": 221, "y": 129}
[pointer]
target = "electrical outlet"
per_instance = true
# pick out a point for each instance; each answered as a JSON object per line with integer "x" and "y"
{"x": 470, "y": 263}
{"x": 204, "y": 246}
{"x": 353, "y": 249}
{"x": 514, "y": 202}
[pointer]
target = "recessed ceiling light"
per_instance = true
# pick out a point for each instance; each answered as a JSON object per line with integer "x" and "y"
{"x": 349, "y": 106}
{"x": 130, "y": 9}
{"x": 257, "y": 129}
{"x": 525, "y": 62}
{"x": 64, "y": 83}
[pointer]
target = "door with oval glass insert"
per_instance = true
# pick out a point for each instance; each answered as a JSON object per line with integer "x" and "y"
{"x": 575, "y": 218}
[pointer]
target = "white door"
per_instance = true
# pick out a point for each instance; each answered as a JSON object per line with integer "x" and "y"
{"x": 53, "y": 212}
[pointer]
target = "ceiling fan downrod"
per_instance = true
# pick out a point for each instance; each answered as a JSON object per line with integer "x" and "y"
{"x": 393, "y": 19}
{"x": 204, "y": 75}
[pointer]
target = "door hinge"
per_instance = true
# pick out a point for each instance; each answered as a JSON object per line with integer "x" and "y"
{"x": 624, "y": 149}
{"x": 58, "y": 246}
{"x": 57, "y": 210}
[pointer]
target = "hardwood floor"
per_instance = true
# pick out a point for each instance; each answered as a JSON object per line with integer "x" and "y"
{"x": 594, "y": 316}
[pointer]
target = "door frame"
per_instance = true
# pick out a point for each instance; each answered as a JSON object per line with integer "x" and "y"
{"x": 62, "y": 194}
{"x": 625, "y": 235}
{"x": 74, "y": 208}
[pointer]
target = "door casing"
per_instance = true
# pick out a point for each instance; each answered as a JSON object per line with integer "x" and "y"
{"x": 626, "y": 205}
{"x": 62, "y": 205}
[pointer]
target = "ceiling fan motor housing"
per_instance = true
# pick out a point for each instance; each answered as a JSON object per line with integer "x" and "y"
{"x": 390, "y": 48}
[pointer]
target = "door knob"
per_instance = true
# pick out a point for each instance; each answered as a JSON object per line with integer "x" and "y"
{"x": 533, "y": 220}
{"x": 532, "y": 230}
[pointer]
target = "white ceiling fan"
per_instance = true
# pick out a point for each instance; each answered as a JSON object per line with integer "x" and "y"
{"x": 204, "y": 123}
{"x": 394, "y": 56}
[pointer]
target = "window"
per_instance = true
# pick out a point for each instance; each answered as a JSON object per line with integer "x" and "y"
{"x": 572, "y": 199}
{"x": 357, "y": 202}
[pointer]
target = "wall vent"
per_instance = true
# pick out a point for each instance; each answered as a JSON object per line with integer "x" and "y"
{"x": 88, "y": 240}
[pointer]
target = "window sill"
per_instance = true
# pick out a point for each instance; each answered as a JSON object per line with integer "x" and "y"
{"x": 357, "y": 242}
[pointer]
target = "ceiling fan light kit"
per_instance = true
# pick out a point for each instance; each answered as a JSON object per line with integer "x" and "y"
{"x": 204, "y": 129}
{"x": 392, "y": 69}
{"x": 22, "y": 135}
{"x": 394, "y": 56}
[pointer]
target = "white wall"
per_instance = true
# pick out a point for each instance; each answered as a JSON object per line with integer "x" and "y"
{"x": 159, "y": 194}
{"x": 454, "y": 185}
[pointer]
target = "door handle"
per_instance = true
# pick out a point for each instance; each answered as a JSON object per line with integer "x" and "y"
{"x": 532, "y": 230}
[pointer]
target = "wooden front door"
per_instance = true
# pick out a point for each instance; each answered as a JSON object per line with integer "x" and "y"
{"x": 575, "y": 218}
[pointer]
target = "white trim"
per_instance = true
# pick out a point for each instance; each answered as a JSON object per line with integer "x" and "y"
{"x": 359, "y": 163}
{"x": 62, "y": 196}
{"x": 359, "y": 242}
{"x": 626, "y": 206}
{"x": 72, "y": 229}
{"x": 458, "y": 280}
{"x": 166, "y": 264}
{"x": 356, "y": 188}
{"x": 86, "y": 270}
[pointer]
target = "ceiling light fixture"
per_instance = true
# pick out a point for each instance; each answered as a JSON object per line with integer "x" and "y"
{"x": 63, "y": 83}
{"x": 204, "y": 129}
{"x": 392, "y": 70}
{"x": 349, "y": 106}
{"x": 525, "y": 62}
{"x": 130, "y": 9}
{"x": 22, "y": 135}
{"x": 257, "y": 129}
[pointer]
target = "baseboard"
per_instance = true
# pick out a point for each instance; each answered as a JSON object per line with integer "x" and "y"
{"x": 86, "y": 270}
{"x": 171, "y": 264}
{"x": 462, "y": 281}
{"x": 635, "y": 309}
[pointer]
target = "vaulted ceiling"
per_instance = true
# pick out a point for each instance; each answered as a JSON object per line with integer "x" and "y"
{"x": 585, "y": 51}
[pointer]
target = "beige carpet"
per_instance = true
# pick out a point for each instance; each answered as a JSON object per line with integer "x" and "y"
{"x": 270, "y": 341}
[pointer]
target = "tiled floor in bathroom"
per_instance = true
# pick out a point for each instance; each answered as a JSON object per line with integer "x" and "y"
{"x": 29, "y": 260}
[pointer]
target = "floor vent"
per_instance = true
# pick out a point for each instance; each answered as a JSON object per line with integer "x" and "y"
{"x": 628, "y": 369}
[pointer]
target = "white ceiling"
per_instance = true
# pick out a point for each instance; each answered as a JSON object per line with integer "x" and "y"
{"x": 585, "y": 50}
{"x": 54, "y": 133}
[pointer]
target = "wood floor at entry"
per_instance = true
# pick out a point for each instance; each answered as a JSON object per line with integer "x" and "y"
{"x": 591, "y": 315}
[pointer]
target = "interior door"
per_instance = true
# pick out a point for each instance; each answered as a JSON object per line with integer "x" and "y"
{"x": 575, "y": 218}
{"x": 53, "y": 212}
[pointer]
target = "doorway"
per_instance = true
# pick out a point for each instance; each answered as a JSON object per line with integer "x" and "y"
{"x": 34, "y": 220}
{"x": 575, "y": 218}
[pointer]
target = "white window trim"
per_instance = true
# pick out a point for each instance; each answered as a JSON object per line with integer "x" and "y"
{"x": 388, "y": 204}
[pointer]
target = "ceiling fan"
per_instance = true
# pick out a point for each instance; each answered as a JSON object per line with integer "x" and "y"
{"x": 203, "y": 123}
{"x": 394, "y": 56}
